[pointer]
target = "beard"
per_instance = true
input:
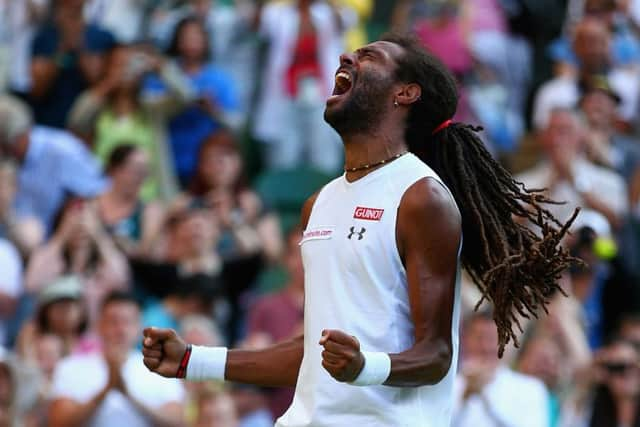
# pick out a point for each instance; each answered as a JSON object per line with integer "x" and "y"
{"x": 363, "y": 108}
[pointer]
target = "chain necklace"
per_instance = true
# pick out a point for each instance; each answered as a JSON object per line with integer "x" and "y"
{"x": 373, "y": 165}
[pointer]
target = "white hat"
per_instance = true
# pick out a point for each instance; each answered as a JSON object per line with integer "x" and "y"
{"x": 15, "y": 118}
{"x": 62, "y": 288}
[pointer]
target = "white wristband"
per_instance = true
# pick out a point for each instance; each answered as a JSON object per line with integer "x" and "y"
{"x": 206, "y": 363}
{"x": 376, "y": 370}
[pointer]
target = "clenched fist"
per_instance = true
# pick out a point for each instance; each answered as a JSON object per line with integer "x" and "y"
{"x": 163, "y": 350}
{"x": 341, "y": 356}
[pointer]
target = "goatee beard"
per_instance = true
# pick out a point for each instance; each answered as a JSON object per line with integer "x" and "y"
{"x": 362, "y": 111}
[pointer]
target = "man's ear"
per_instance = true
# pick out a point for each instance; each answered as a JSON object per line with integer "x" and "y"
{"x": 408, "y": 94}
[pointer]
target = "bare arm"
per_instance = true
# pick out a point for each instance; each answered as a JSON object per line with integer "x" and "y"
{"x": 428, "y": 235}
{"x": 69, "y": 413}
{"x": 428, "y": 232}
{"x": 275, "y": 366}
{"x": 43, "y": 73}
{"x": 85, "y": 110}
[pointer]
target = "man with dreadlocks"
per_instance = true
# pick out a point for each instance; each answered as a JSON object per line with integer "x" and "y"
{"x": 381, "y": 250}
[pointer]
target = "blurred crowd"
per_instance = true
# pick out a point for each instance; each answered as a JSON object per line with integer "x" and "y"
{"x": 154, "y": 155}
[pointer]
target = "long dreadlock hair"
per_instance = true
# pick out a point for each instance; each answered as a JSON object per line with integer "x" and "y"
{"x": 516, "y": 266}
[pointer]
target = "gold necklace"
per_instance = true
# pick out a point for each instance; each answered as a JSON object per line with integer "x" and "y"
{"x": 373, "y": 165}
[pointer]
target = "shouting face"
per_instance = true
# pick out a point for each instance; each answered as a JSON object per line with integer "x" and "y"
{"x": 363, "y": 89}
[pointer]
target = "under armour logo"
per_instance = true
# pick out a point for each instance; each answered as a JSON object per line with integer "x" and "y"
{"x": 359, "y": 233}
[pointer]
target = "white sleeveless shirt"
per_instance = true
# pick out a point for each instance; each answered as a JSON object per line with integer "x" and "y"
{"x": 355, "y": 282}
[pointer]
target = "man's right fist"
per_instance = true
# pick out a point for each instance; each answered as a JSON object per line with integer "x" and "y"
{"x": 163, "y": 350}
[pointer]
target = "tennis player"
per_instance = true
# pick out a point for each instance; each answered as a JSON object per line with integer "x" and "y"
{"x": 382, "y": 250}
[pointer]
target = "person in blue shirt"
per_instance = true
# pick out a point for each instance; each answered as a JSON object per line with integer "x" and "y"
{"x": 68, "y": 55}
{"x": 218, "y": 102}
{"x": 624, "y": 47}
{"x": 53, "y": 163}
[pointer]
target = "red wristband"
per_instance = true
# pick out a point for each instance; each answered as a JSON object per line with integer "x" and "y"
{"x": 182, "y": 369}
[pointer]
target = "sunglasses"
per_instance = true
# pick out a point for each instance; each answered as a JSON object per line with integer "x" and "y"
{"x": 618, "y": 368}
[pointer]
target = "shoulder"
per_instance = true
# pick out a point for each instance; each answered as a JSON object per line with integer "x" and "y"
{"x": 45, "y": 41}
{"x": 428, "y": 217}
{"x": 9, "y": 253}
{"x": 428, "y": 200}
{"x": 55, "y": 138}
{"x": 98, "y": 39}
{"x": 604, "y": 175}
{"x": 558, "y": 83}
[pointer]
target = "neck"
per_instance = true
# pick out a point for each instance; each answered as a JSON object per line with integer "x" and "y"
{"x": 21, "y": 147}
{"x": 369, "y": 148}
{"x": 626, "y": 409}
{"x": 122, "y": 195}
{"x": 123, "y": 103}
{"x": 191, "y": 65}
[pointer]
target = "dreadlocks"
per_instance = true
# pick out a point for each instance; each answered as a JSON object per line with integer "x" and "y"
{"x": 515, "y": 267}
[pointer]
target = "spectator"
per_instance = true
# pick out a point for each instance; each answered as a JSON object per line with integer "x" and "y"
{"x": 18, "y": 20}
{"x": 279, "y": 317}
{"x": 68, "y": 56}
{"x": 591, "y": 46}
{"x": 500, "y": 82}
{"x": 217, "y": 104}
{"x": 52, "y": 163}
{"x": 10, "y": 285}
{"x": 625, "y": 48}
{"x": 233, "y": 44}
{"x": 605, "y": 145}
{"x": 223, "y": 23}
{"x": 629, "y": 329}
{"x": 62, "y": 312}
{"x": 24, "y": 232}
{"x": 487, "y": 392}
{"x": 247, "y": 226}
{"x": 570, "y": 177}
{"x": 114, "y": 112}
{"x": 192, "y": 235}
{"x": 48, "y": 352}
{"x": 613, "y": 395}
{"x": 215, "y": 408}
{"x": 444, "y": 34}
{"x": 305, "y": 40}
{"x": 191, "y": 295}
{"x": 542, "y": 358}
{"x": 113, "y": 387}
{"x": 192, "y": 257}
{"x": 79, "y": 246}
{"x": 134, "y": 225}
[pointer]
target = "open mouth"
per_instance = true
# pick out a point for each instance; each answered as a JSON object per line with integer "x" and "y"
{"x": 343, "y": 83}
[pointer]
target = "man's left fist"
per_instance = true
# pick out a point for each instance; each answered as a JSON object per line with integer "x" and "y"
{"x": 341, "y": 356}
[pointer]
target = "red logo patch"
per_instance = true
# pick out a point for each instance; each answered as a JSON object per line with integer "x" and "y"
{"x": 368, "y": 214}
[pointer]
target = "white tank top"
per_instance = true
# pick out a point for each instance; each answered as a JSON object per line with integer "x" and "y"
{"x": 355, "y": 282}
